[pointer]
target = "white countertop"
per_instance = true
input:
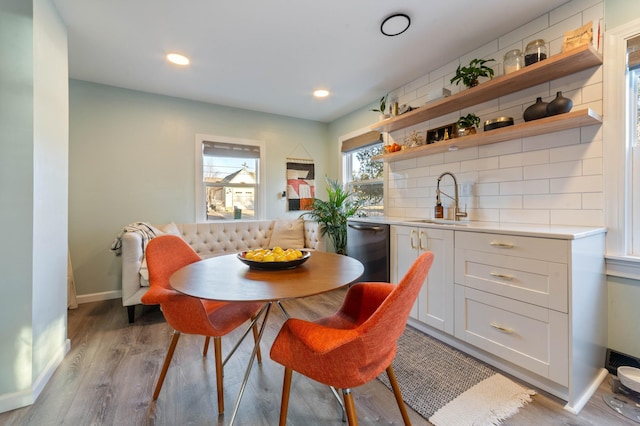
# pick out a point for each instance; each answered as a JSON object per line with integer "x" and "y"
{"x": 564, "y": 232}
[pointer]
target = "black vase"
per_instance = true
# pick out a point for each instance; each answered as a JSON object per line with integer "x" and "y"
{"x": 535, "y": 111}
{"x": 559, "y": 105}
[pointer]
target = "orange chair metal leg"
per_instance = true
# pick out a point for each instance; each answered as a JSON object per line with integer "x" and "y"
{"x": 255, "y": 339}
{"x": 167, "y": 361}
{"x": 206, "y": 346}
{"x": 349, "y": 405}
{"x": 217, "y": 349}
{"x": 396, "y": 391}
{"x": 286, "y": 390}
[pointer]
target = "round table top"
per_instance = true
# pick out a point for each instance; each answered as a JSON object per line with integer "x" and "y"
{"x": 226, "y": 278}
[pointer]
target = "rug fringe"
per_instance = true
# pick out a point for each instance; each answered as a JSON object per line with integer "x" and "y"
{"x": 487, "y": 403}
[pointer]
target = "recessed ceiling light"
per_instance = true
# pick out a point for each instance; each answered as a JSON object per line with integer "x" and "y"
{"x": 177, "y": 59}
{"x": 395, "y": 24}
{"x": 321, "y": 93}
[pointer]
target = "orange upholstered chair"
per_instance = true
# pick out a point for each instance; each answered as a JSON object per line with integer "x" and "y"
{"x": 354, "y": 345}
{"x": 165, "y": 255}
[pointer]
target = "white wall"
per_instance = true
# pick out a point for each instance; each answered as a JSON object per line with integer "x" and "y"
{"x": 33, "y": 190}
{"x": 132, "y": 158}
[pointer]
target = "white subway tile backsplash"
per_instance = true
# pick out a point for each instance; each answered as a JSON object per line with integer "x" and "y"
{"x": 593, "y": 201}
{"x": 501, "y": 202}
{"x": 482, "y": 189}
{"x": 539, "y": 217}
{"x": 553, "y": 201}
{"x": 592, "y": 166}
{"x": 577, "y": 217}
{"x": 553, "y": 170}
{"x": 500, "y": 175}
{"x": 576, "y": 152}
{"x": 486, "y": 163}
{"x": 524, "y": 158}
{"x": 502, "y": 148}
{"x": 554, "y": 178}
{"x": 551, "y": 140}
{"x": 576, "y": 184}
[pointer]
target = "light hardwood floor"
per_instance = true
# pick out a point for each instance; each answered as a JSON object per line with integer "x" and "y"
{"x": 108, "y": 376}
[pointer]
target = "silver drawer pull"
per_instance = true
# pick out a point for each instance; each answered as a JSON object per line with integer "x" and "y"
{"x": 503, "y": 276}
{"x": 501, "y": 328}
{"x": 501, "y": 245}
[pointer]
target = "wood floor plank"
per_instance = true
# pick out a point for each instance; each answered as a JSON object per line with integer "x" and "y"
{"x": 108, "y": 377}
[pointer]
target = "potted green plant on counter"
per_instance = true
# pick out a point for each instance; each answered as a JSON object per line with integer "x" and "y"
{"x": 466, "y": 125}
{"x": 332, "y": 214}
{"x": 469, "y": 75}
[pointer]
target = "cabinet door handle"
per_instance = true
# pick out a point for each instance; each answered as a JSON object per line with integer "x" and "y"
{"x": 413, "y": 233}
{"x": 501, "y": 328}
{"x": 503, "y": 276}
{"x": 420, "y": 236}
{"x": 501, "y": 245}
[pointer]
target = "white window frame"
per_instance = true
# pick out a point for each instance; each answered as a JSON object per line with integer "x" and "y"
{"x": 260, "y": 202}
{"x": 618, "y": 158}
{"x": 345, "y": 168}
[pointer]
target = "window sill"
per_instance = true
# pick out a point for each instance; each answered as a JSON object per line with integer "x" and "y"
{"x": 623, "y": 267}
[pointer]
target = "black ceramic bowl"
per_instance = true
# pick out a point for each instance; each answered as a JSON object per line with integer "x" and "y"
{"x": 497, "y": 123}
{"x": 254, "y": 264}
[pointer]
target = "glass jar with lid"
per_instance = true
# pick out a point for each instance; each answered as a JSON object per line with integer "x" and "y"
{"x": 536, "y": 51}
{"x": 513, "y": 61}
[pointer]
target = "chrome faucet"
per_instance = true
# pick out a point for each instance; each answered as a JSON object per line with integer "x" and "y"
{"x": 457, "y": 214}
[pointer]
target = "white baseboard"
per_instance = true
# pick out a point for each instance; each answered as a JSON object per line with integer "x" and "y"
{"x": 96, "y": 297}
{"x": 28, "y": 396}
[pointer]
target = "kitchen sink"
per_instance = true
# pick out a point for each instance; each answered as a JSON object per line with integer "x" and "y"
{"x": 440, "y": 222}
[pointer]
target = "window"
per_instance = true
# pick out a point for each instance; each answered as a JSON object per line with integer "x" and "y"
{"x": 363, "y": 175}
{"x": 622, "y": 156}
{"x": 228, "y": 176}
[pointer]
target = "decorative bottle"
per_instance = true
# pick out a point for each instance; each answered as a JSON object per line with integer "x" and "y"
{"x": 535, "y": 111}
{"x": 559, "y": 105}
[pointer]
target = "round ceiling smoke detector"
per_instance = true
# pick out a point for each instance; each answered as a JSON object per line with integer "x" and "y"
{"x": 395, "y": 24}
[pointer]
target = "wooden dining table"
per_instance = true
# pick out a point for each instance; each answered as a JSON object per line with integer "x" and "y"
{"x": 226, "y": 278}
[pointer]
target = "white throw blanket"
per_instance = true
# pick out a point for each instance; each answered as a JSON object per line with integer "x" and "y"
{"x": 147, "y": 232}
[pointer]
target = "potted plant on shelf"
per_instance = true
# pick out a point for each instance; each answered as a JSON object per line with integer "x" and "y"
{"x": 466, "y": 125}
{"x": 469, "y": 75}
{"x": 382, "y": 108}
{"x": 332, "y": 214}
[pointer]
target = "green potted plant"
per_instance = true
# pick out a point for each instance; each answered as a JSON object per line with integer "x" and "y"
{"x": 466, "y": 125}
{"x": 382, "y": 108}
{"x": 469, "y": 75}
{"x": 332, "y": 214}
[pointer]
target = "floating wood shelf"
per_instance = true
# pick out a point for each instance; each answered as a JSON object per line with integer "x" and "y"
{"x": 571, "y": 120}
{"x": 554, "y": 67}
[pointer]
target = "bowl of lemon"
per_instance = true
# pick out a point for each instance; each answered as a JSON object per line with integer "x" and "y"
{"x": 274, "y": 258}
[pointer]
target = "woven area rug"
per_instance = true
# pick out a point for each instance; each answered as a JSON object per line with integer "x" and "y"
{"x": 450, "y": 388}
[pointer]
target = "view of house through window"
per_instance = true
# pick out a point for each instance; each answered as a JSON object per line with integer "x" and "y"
{"x": 365, "y": 176}
{"x": 230, "y": 179}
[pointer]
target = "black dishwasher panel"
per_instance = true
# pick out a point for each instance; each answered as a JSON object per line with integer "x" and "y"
{"x": 369, "y": 243}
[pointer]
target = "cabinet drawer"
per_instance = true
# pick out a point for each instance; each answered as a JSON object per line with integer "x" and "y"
{"x": 529, "y": 336}
{"x": 539, "y": 282}
{"x": 514, "y": 245}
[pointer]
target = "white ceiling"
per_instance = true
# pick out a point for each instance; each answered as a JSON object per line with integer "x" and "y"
{"x": 269, "y": 55}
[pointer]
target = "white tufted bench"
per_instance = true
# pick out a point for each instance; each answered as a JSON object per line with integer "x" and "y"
{"x": 208, "y": 240}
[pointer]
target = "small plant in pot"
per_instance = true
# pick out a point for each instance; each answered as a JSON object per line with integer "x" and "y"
{"x": 469, "y": 75}
{"x": 382, "y": 108}
{"x": 466, "y": 125}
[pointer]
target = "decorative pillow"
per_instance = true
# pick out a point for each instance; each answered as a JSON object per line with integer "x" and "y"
{"x": 288, "y": 233}
{"x": 170, "y": 228}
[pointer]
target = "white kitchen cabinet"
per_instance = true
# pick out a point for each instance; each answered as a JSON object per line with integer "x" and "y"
{"x": 434, "y": 306}
{"x": 538, "y": 304}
